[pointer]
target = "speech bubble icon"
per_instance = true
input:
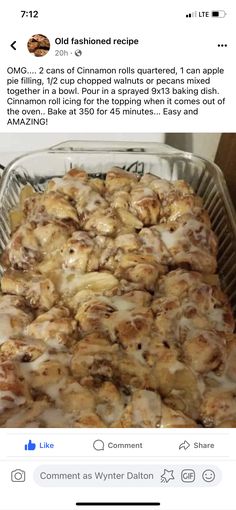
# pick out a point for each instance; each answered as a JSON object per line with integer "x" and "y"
{"x": 98, "y": 445}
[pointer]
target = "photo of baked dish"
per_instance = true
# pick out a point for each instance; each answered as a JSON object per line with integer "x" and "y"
{"x": 39, "y": 45}
{"x": 111, "y": 309}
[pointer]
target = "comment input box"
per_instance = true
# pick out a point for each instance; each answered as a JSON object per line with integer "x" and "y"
{"x": 170, "y": 475}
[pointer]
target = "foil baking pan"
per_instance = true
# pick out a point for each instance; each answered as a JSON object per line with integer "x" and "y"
{"x": 206, "y": 178}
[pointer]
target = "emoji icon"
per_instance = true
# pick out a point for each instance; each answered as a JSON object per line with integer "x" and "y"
{"x": 208, "y": 475}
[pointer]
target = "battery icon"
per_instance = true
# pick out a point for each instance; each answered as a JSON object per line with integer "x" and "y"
{"x": 218, "y": 14}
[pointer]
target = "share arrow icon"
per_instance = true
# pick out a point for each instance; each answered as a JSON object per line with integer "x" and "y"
{"x": 185, "y": 445}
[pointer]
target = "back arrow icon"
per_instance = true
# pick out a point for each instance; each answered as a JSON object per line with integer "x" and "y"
{"x": 13, "y": 45}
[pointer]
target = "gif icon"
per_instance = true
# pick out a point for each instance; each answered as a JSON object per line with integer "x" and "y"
{"x": 188, "y": 475}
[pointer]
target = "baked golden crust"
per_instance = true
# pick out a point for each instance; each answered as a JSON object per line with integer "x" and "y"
{"x": 14, "y": 316}
{"x": 50, "y": 206}
{"x": 13, "y": 391}
{"x": 111, "y": 314}
{"x": 56, "y": 328}
{"x": 38, "y": 291}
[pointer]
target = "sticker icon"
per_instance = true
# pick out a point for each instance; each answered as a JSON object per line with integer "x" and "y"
{"x": 167, "y": 476}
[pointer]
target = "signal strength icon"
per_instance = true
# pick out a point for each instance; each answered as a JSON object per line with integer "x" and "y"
{"x": 191, "y": 14}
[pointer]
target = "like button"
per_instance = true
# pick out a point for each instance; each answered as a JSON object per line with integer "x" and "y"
{"x": 30, "y": 446}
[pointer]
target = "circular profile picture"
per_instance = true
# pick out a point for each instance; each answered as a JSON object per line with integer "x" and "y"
{"x": 38, "y": 45}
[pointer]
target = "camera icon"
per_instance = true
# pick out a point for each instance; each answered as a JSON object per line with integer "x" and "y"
{"x": 18, "y": 475}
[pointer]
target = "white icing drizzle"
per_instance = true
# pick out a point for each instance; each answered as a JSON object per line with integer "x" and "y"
{"x": 8, "y": 400}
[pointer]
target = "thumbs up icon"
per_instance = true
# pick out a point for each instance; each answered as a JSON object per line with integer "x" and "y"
{"x": 30, "y": 446}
